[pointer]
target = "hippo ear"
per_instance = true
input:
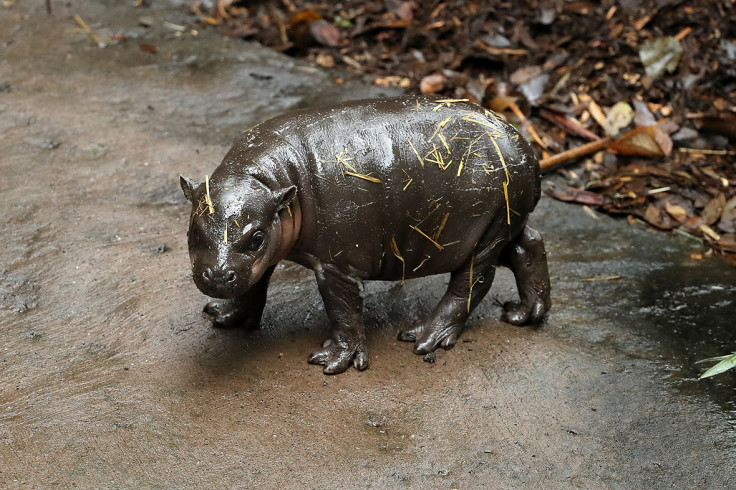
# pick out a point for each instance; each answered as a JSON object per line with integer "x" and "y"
{"x": 283, "y": 197}
{"x": 188, "y": 186}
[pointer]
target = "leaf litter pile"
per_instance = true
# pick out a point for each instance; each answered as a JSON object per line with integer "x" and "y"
{"x": 634, "y": 103}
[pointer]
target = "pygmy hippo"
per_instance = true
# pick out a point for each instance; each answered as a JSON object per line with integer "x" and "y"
{"x": 385, "y": 189}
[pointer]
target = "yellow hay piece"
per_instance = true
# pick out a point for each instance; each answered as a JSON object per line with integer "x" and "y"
{"x": 440, "y": 126}
{"x": 439, "y": 247}
{"x": 397, "y": 254}
{"x": 467, "y": 154}
{"x": 432, "y": 152}
{"x": 344, "y": 161}
{"x": 508, "y": 179}
{"x": 236, "y": 223}
{"x": 471, "y": 283}
{"x": 447, "y": 102}
{"x": 208, "y": 199}
{"x": 408, "y": 183}
{"x": 421, "y": 162}
{"x": 426, "y": 258}
{"x": 469, "y": 118}
{"x": 503, "y": 160}
{"x": 493, "y": 115}
{"x": 364, "y": 177}
{"x": 506, "y": 196}
{"x": 444, "y": 142}
{"x": 224, "y": 239}
{"x": 442, "y": 227}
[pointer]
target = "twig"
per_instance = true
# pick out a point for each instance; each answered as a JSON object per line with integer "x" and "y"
{"x": 574, "y": 153}
{"x": 532, "y": 132}
{"x": 602, "y": 278}
{"x": 48, "y": 7}
{"x": 569, "y": 124}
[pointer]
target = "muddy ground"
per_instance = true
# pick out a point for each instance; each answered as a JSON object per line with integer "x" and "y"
{"x": 110, "y": 375}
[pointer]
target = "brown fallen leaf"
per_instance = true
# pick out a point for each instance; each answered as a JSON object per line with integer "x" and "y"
{"x": 712, "y": 211}
{"x": 620, "y": 116}
{"x": 727, "y": 222}
{"x": 148, "y": 48}
{"x": 325, "y": 33}
{"x": 650, "y": 141}
{"x": 727, "y": 243}
{"x": 658, "y": 218}
{"x": 675, "y": 210}
{"x": 571, "y": 194}
{"x": 597, "y": 113}
{"x": 432, "y": 84}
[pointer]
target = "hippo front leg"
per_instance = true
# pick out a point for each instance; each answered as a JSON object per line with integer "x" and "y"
{"x": 468, "y": 286}
{"x": 242, "y": 311}
{"x": 526, "y": 258}
{"x": 341, "y": 294}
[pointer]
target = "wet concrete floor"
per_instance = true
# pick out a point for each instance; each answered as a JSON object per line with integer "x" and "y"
{"x": 110, "y": 375}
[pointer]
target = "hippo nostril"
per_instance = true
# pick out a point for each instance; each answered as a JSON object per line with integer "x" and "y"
{"x": 207, "y": 274}
{"x": 230, "y": 276}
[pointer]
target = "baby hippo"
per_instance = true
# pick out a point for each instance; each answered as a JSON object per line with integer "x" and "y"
{"x": 384, "y": 189}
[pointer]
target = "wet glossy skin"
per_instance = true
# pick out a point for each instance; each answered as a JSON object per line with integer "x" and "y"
{"x": 384, "y": 189}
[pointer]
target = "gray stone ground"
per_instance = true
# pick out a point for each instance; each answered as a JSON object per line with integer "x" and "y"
{"x": 110, "y": 375}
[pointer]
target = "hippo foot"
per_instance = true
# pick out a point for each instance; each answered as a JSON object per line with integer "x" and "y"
{"x": 230, "y": 314}
{"x": 517, "y": 313}
{"x": 428, "y": 335}
{"x": 337, "y": 355}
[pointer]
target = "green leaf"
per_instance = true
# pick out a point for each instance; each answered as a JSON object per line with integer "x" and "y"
{"x": 715, "y": 359}
{"x": 727, "y": 363}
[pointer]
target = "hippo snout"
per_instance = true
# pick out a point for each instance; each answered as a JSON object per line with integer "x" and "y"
{"x": 219, "y": 283}
{"x": 219, "y": 277}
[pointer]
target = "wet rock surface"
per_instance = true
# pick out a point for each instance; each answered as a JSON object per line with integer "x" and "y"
{"x": 108, "y": 364}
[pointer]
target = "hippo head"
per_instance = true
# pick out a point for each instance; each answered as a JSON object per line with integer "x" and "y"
{"x": 234, "y": 232}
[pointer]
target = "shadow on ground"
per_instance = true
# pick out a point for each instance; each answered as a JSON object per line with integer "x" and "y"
{"x": 111, "y": 376}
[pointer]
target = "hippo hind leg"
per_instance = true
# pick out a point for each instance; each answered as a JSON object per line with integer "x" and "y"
{"x": 243, "y": 311}
{"x": 468, "y": 286}
{"x": 526, "y": 257}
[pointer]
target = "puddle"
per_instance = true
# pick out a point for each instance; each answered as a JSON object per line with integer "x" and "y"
{"x": 690, "y": 309}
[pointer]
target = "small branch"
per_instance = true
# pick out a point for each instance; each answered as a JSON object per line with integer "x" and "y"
{"x": 569, "y": 124}
{"x": 574, "y": 153}
{"x": 48, "y": 7}
{"x": 532, "y": 132}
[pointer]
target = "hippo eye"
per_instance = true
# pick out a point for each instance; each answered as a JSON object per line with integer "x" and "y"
{"x": 256, "y": 241}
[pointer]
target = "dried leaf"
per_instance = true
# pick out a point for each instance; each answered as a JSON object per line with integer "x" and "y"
{"x": 620, "y": 116}
{"x": 432, "y": 84}
{"x": 656, "y": 217}
{"x": 649, "y": 141}
{"x": 675, "y": 210}
{"x": 571, "y": 194}
{"x": 148, "y": 48}
{"x": 523, "y": 75}
{"x": 325, "y": 33}
{"x": 712, "y": 211}
{"x": 597, "y": 113}
{"x": 727, "y": 223}
{"x": 658, "y": 55}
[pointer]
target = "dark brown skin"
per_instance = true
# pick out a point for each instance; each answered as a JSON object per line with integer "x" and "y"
{"x": 385, "y": 189}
